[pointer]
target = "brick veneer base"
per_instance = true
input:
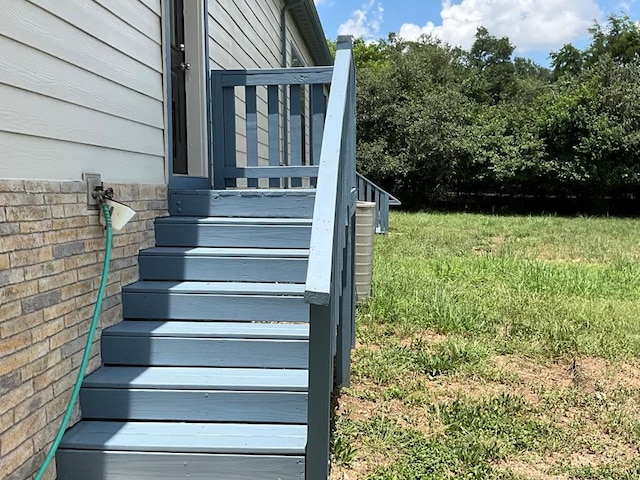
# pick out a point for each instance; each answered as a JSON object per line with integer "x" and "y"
{"x": 51, "y": 253}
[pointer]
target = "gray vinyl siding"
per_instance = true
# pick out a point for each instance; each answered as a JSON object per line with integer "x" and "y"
{"x": 245, "y": 35}
{"x": 81, "y": 90}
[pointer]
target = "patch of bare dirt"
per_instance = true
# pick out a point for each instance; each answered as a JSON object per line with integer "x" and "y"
{"x": 587, "y": 373}
{"x": 492, "y": 245}
{"x": 426, "y": 337}
{"x": 587, "y": 437}
{"x": 534, "y": 468}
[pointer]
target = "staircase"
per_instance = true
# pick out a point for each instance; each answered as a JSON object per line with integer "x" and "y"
{"x": 243, "y": 321}
{"x": 207, "y": 376}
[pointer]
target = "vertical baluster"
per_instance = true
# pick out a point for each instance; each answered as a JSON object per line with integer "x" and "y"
{"x": 273, "y": 108}
{"x": 229, "y": 126}
{"x": 318, "y": 109}
{"x": 384, "y": 211}
{"x": 251, "y": 109}
{"x": 218, "y": 118}
{"x": 344, "y": 334}
{"x": 297, "y": 135}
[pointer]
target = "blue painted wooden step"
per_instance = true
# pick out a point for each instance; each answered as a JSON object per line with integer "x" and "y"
{"x": 232, "y": 232}
{"x": 232, "y": 438}
{"x": 149, "y": 328}
{"x": 251, "y": 379}
{"x": 293, "y": 203}
{"x": 206, "y": 301}
{"x": 195, "y": 394}
{"x": 224, "y": 264}
{"x": 269, "y": 345}
{"x": 114, "y": 465}
{"x": 167, "y": 451}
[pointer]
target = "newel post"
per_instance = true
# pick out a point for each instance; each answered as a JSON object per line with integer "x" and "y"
{"x": 320, "y": 389}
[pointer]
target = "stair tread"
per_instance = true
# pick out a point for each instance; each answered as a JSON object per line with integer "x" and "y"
{"x": 174, "y": 219}
{"x": 155, "y": 328}
{"x": 253, "y": 192}
{"x": 229, "y": 288}
{"x": 187, "y": 437}
{"x": 198, "y": 378}
{"x": 227, "y": 252}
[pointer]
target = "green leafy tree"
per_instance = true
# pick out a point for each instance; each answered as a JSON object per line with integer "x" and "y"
{"x": 620, "y": 39}
{"x": 567, "y": 61}
{"x": 490, "y": 59}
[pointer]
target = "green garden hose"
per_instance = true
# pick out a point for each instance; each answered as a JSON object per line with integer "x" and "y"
{"x": 87, "y": 349}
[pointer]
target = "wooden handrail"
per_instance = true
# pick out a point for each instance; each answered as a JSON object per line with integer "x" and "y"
{"x": 321, "y": 250}
{"x": 330, "y": 282}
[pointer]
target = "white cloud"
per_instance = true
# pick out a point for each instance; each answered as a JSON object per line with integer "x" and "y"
{"x": 529, "y": 24}
{"x": 625, "y": 6}
{"x": 364, "y": 22}
{"x": 319, "y": 2}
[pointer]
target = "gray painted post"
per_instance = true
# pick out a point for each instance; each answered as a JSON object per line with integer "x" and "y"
{"x": 343, "y": 357}
{"x": 229, "y": 128}
{"x": 296, "y": 138}
{"x": 318, "y": 112}
{"x": 273, "y": 100}
{"x": 218, "y": 131}
{"x": 251, "y": 109}
{"x": 384, "y": 213}
{"x": 320, "y": 388}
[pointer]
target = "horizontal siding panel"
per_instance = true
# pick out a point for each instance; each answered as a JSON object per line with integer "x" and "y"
{"x": 259, "y": 39}
{"x": 228, "y": 54}
{"x": 24, "y": 67}
{"x": 137, "y": 15}
{"x": 42, "y": 158}
{"x": 27, "y": 113}
{"x": 237, "y": 37}
{"x": 268, "y": 13}
{"x": 153, "y": 5}
{"x": 96, "y": 21}
{"x": 35, "y": 27}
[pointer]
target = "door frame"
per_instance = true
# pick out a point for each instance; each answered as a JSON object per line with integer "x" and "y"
{"x": 198, "y": 97}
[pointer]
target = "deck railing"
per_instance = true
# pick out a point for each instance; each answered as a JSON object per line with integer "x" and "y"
{"x": 370, "y": 192}
{"x": 330, "y": 284}
{"x": 252, "y": 143}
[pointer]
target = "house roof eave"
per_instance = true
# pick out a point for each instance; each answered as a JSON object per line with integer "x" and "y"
{"x": 305, "y": 15}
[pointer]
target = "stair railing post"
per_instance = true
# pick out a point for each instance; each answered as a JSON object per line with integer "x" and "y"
{"x": 320, "y": 388}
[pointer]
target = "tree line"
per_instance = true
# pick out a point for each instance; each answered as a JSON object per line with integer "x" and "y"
{"x": 435, "y": 121}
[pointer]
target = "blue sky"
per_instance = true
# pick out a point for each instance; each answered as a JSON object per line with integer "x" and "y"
{"x": 536, "y": 27}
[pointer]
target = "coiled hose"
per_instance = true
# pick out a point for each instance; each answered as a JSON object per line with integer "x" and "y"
{"x": 87, "y": 349}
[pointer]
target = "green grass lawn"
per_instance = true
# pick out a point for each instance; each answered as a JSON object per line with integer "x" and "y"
{"x": 497, "y": 348}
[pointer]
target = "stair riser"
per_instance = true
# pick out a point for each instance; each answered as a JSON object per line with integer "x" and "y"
{"x": 193, "y": 406}
{"x": 245, "y": 204}
{"x": 110, "y": 465}
{"x": 239, "y": 269}
{"x": 193, "y": 306}
{"x": 241, "y": 236}
{"x": 202, "y": 352}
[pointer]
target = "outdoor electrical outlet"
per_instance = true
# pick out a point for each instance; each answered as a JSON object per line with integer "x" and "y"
{"x": 93, "y": 180}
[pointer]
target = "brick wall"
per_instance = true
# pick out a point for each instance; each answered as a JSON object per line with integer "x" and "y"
{"x": 51, "y": 253}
